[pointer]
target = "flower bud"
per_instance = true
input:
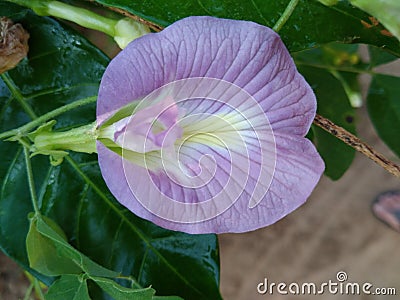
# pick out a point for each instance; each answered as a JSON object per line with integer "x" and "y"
{"x": 126, "y": 30}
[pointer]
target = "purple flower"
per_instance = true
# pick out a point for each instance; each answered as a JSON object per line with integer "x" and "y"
{"x": 202, "y": 127}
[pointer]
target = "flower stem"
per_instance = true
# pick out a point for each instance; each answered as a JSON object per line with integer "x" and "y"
{"x": 81, "y": 16}
{"x": 46, "y": 117}
{"x": 31, "y": 181}
{"x": 357, "y": 144}
{"x": 123, "y": 30}
{"x": 38, "y": 289}
{"x": 28, "y": 292}
{"x": 286, "y": 15}
{"x": 18, "y": 96}
{"x": 120, "y": 11}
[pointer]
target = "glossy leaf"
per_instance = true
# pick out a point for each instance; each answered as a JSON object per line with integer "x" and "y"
{"x": 63, "y": 67}
{"x": 310, "y": 25}
{"x": 383, "y": 103}
{"x": 73, "y": 287}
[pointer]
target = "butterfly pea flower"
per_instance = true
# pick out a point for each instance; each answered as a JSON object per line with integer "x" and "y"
{"x": 202, "y": 127}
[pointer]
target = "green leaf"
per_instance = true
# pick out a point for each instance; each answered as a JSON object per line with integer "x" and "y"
{"x": 319, "y": 67}
{"x": 118, "y": 292}
{"x": 310, "y": 25}
{"x": 386, "y": 11}
{"x": 63, "y": 67}
{"x": 383, "y": 103}
{"x": 71, "y": 287}
{"x": 50, "y": 254}
{"x": 43, "y": 254}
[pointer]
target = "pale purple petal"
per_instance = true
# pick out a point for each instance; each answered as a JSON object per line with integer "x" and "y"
{"x": 248, "y": 56}
{"x": 149, "y": 128}
{"x": 244, "y": 53}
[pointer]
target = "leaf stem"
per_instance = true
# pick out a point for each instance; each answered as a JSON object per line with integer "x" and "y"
{"x": 357, "y": 144}
{"x": 38, "y": 289}
{"x": 123, "y": 31}
{"x": 125, "y": 13}
{"x": 81, "y": 16}
{"x": 46, "y": 117}
{"x": 28, "y": 292}
{"x": 286, "y": 15}
{"x": 133, "y": 281}
{"x": 18, "y": 96}
{"x": 31, "y": 181}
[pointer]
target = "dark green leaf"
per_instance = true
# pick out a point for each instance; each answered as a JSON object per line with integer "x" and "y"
{"x": 71, "y": 287}
{"x": 319, "y": 68}
{"x": 310, "y": 25}
{"x": 63, "y": 67}
{"x": 383, "y": 103}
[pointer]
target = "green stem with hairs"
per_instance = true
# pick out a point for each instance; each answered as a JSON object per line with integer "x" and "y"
{"x": 23, "y": 130}
{"x": 122, "y": 30}
{"x": 286, "y": 15}
{"x": 81, "y": 16}
{"x": 31, "y": 181}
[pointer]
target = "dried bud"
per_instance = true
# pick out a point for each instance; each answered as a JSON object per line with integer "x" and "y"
{"x": 13, "y": 44}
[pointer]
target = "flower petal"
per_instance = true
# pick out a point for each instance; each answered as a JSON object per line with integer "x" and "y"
{"x": 246, "y": 54}
{"x": 298, "y": 169}
{"x": 225, "y": 174}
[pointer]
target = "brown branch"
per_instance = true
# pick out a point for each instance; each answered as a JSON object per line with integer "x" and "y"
{"x": 151, "y": 25}
{"x": 357, "y": 144}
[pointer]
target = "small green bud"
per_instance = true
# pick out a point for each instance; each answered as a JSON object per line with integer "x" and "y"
{"x": 126, "y": 30}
